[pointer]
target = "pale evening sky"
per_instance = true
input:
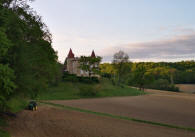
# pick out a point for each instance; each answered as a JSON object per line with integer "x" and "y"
{"x": 148, "y": 30}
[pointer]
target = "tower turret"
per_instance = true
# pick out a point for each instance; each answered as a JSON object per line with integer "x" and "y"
{"x": 93, "y": 54}
{"x": 70, "y": 54}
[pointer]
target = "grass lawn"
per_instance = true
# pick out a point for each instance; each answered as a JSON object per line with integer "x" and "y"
{"x": 69, "y": 90}
{"x": 4, "y": 133}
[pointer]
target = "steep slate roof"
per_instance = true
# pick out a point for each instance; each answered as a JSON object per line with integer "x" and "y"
{"x": 93, "y": 54}
{"x": 70, "y": 54}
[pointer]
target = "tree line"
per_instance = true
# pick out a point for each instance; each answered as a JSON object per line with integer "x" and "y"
{"x": 28, "y": 63}
{"x": 157, "y": 75}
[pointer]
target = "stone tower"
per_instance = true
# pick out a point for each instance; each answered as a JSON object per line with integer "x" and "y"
{"x": 70, "y": 60}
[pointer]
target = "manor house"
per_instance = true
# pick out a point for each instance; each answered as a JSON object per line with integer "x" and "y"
{"x": 72, "y": 64}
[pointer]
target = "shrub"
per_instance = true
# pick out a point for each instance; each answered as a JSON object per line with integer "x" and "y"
{"x": 173, "y": 88}
{"x": 88, "y": 80}
{"x": 106, "y": 75}
{"x": 70, "y": 77}
{"x": 162, "y": 84}
{"x": 95, "y": 79}
{"x": 75, "y": 78}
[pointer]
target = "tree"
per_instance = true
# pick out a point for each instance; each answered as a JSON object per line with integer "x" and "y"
{"x": 7, "y": 85}
{"x": 172, "y": 72}
{"x": 26, "y": 48}
{"x": 120, "y": 59}
{"x": 90, "y": 64}
{"x": 139, "y": 77}
{"x": 107, "y": 70}
{"x": 7, "y": 76}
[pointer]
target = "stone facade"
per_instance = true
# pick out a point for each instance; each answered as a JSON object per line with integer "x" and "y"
{"x": 72, "y": 65}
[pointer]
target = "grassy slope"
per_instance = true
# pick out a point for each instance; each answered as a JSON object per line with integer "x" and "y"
{"x": 69, "y": 90}
{"x": 2, "y": 132}
{"x": 17, "y": 103}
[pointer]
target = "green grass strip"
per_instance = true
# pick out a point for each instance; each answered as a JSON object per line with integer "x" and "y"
{"x": 4, "y": 133}
{"x": 119, "y": 117}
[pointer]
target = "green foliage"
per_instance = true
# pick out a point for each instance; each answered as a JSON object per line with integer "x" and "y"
{"x": 4, "y": 133}
{"x": 58, "y": 70}
{"x": 185, "y": 77}
{"x": 148, "y": 74}
{"x": 5, "y": 44}
{"x": 7, "y": 85}
{"x": 28, "y": 63}
{"x": 162, "y": 84}
{"x": 121, "y": 66}
{"x": 16, "y": 103}
{"x": 107, "y": 68}
{"x": 73, "y": 78}
{"x": 140, "y": 77}
{"x": 88, "y": 80}
{"x": 90, "y": 64}
{"x": 106, "y": 75}
{"x": 70, "y": 77}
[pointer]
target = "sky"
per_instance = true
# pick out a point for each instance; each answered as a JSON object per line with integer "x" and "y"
{"x": 147, "y": 30}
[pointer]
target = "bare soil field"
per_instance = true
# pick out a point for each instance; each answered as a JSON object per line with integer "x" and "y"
{"x": 189, "y": 88}
{"x": 159, "y": 106}
{"x": 55, "y": 122}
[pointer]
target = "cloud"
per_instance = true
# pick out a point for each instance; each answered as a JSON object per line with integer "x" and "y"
{"x": 174, "y": 49}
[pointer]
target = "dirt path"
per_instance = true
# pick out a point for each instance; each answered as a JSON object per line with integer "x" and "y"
{"x": 54, "y": 122}
{"x": 160, "y": 106}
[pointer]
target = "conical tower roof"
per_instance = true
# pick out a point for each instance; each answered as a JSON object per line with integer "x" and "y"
{"x": 93, "y": 54}
{"x": 70, "y": 54}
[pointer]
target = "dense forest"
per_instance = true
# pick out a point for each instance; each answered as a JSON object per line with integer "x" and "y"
{"x": 160, "y": 75}
{"x": 28, "y": 63}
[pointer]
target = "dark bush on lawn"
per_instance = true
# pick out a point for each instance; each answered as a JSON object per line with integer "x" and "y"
{"x": 106, "y": 75}
{"x": 162, "y": 84}
{"x": 88, "y": 80}
{"x": 70, "y": 77}
{"x": 95, "y": 79}
{"x": 74, "y": 78}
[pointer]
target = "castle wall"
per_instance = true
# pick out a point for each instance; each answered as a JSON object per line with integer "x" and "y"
{"x": 76, "y": 69}
{"x": 70, "y": 65}
{"x": 73, "y": 66}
